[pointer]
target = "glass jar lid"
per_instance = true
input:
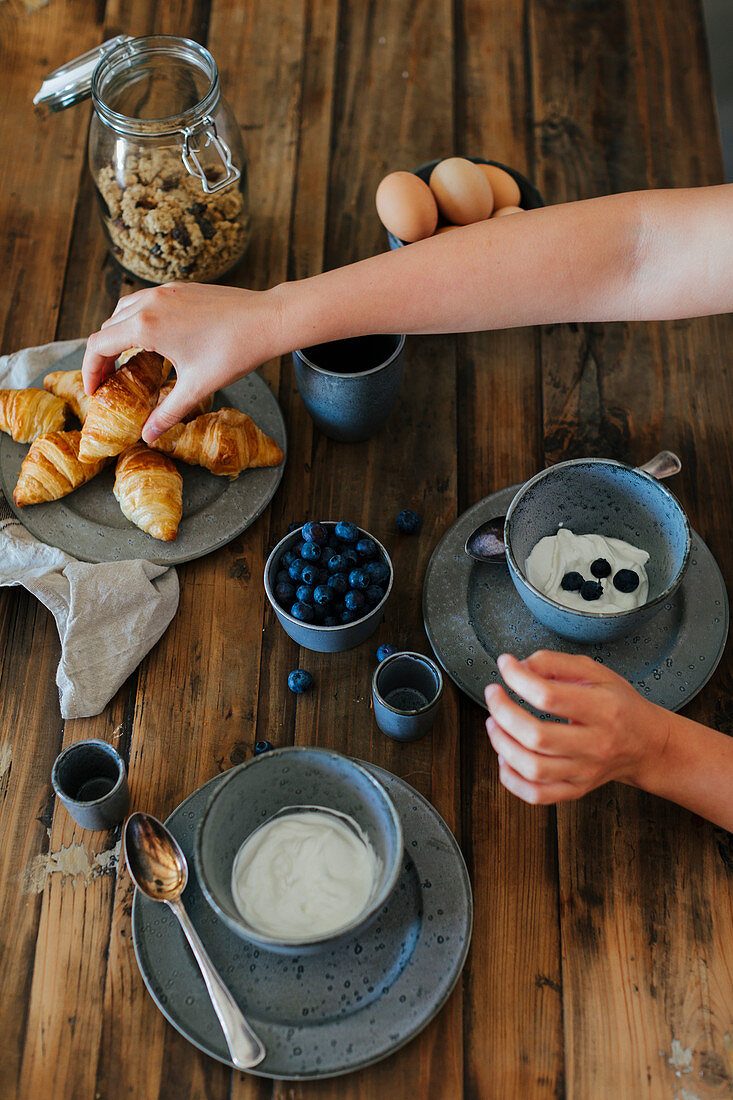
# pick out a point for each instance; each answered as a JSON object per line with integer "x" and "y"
{"x": 72, "y": 82}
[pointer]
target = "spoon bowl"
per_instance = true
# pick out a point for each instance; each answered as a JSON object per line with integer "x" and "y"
{"x": 158, "y": 868}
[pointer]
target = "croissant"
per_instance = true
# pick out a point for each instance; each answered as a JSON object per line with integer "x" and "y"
{"x": 149, "y": 490}
{"x": 121, "y": 405}
{"x": 52, "y": 468}
{"x": 26, "y": 414}
{"x": 225, "y": 442}
{"x": 202, "y": 407}
{"x": 68, "y": 385}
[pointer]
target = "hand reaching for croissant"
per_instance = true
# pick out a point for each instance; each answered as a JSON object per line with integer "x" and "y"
{"x": 212, "y": 334}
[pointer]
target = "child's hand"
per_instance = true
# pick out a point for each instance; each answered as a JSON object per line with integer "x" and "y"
{"x": 213, "y": 335}
{"x": 613, "y": 733}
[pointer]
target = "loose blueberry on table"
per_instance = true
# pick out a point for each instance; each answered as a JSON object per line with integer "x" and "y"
{"x": 331, "y": 575}
{"x": 299, "y": 681}
{"x": 263, "y": 746}
{"x": 385, "y": 650}
{"x": 408, "y": 522}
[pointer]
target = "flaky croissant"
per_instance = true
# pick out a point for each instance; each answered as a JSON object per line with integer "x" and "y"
{"x": 52, "y": 468}
{"x": 149, "y": 490}
{"x": 26, "y": 414}
{"x": 225, "y": 442}
{"x": 121, "y": 405}
{"x": 202, "y": 407}
{"x": 68, "y": 385}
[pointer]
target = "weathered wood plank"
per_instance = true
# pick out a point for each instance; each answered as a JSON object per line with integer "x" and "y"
{"x": 646, "y": 897}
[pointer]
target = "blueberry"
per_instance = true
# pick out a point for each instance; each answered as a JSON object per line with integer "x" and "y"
{"x": 319, "y": 612}
{"x": 263, "y": 746}
{"x": 311, "y": 552}
{"x": 600, "y": 568}
{"x": 354, "y": 600}
{"x": 359, "y": 578}
{"x": 309, "y": 573}
{"x": 351, "y": 556}
{"x": 323, "y": 594}
{"x": 626, "y": 580}
{"x": 336, "y": 563}
{"x": 571, "y": 582}
{"x": 297, "y": 548}
{"x": 331, "y": 620}
{"x": 366, "y": 549}
{"x": 591, "y": 590}
{"x": 378, "y": 572}
{"x": 295, "y": 569}
{"x": 408, "y": 522}
{"x": 287, "y": 558}
{"x": 315, "y": 532}
{"x": 282, "y": 577}
{"x": 302, "y": 611}
{"x": 339, "y": 582}
{"x": 374, "y": 594}
{"x": 299, "y": 680}
{"x": 304, "y": 593}
{"x": 285, "y": 592}
{"x": 348, "y": 616}
{"x": 385, "y": 650}
{"x": 347, "y": 532}
{"x": 323, "y": 576}
{"x": 294, "y": 526}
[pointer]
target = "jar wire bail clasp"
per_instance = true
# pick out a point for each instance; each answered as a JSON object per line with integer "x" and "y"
{"x": 192, "y": 147}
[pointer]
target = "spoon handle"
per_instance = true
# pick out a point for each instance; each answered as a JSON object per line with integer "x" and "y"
{"x": 245, "y": 1048}
{"x": 665, "y": 464}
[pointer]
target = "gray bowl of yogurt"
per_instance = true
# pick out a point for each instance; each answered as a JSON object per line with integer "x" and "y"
{"x": 595, "y": 547}
{"x": 298, "y": 849}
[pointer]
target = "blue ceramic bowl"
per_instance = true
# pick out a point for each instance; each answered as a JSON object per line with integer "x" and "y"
{"x": 529, "y": 196}
{"x": 325, "y": 639}
{"x": 255, "y": 791}
{"x": 597, "y": 495}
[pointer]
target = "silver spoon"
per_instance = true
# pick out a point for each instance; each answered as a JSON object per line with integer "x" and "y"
{"x": 158, "y": 868}
{"x": 486, "y": 543}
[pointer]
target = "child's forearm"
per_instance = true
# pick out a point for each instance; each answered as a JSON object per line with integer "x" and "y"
{"x": 640, "y": 255}
{"x": 694, "y": 770}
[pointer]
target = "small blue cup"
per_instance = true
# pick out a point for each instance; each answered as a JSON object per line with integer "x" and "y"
{"x": 349, "y": 386}
{"x": 406, "y": 691}
{"x": 90, "y": 779}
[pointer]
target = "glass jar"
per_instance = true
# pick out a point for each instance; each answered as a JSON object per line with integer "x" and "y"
{"x": 166, "y": 156}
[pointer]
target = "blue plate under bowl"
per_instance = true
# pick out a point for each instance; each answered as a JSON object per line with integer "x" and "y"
{"x": 529, "y": 196}
{"x": 598, "y": 496}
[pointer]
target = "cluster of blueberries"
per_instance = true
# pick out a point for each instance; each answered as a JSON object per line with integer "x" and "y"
{"x": 331, "y": 577}
{"x": 625, "y": 580}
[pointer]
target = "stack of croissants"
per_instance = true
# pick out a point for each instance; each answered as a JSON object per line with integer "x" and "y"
{"x": 148, "y": 485}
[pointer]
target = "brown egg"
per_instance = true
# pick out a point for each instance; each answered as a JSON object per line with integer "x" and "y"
{"x": 505, "y": 187}
{"x": 406, "y": 206}
{"x": 462, "y": 191}
{"x": 507, "y": 210}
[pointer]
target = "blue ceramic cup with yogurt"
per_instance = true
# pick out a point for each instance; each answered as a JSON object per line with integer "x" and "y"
{"x": 607, "y": 498}
{"x": 349, "y": 386}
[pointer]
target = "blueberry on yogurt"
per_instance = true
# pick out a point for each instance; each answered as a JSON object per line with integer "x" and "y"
{"x": 572, "y": 582}
{"x": 591, "y": 590}
{"x": 600, "y": 568}
{"x": 626, "y": 580}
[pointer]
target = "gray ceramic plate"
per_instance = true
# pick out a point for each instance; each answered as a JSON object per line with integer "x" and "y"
{"x": 472, "y": 614}
{"x": 89, "y": 525}
{"x": 339, "y": 1010}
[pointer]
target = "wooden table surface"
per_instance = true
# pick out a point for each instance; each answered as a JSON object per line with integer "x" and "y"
{"x": 601, "y": 961}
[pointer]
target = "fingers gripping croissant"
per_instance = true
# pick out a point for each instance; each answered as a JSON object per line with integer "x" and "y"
{"x": 119, "y": 408}
{"x": 26, "y": 414}
{"x": 225, "y": 442}
{"x": 149, "y": 490}
{"x": 52, "y": 468}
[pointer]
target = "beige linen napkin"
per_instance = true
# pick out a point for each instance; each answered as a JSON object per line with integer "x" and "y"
{"x": 108, "y": 615}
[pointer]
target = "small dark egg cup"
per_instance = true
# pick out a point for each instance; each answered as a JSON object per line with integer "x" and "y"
{"x": 529, "y": 196}
{"x": 604, "y": 497}
{"x": 316, "y": 636}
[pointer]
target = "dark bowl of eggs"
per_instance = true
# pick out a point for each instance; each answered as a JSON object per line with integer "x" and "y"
{"x": 446, "y": 194}
{"x": 328, "y": 584}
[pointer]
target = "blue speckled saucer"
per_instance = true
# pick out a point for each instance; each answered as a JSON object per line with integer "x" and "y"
{"x": 336, "y": 1011}
{"x": 473, "y": 613}
{"x": 89, "y": 525}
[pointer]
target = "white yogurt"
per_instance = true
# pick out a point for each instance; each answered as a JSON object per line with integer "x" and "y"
{"x": 304, "y": 874}
{"x": 555, "y": 555}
